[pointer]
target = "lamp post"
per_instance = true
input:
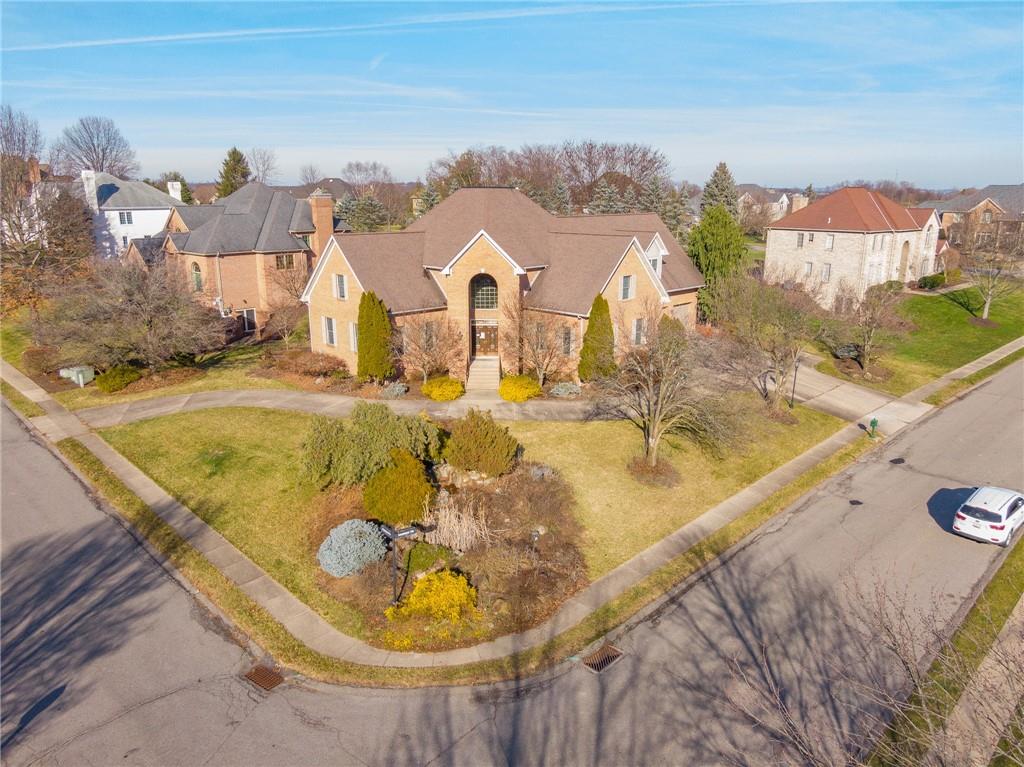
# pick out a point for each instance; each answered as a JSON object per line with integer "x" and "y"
{"x": 395, "y": 534}
{"x": 796, "y": 369}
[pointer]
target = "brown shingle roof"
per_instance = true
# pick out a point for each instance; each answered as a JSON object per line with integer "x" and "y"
{"x": 578, "y": 253}
{"x": 851, "y": 209}
{"x": 921, "y": 215}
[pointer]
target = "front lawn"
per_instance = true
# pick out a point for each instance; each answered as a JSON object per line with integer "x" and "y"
{"x": 943, "y": 339}
{"x": 230, "y": 368}
{"x": 239, "y": 469}
{"x": 14, "y": 338}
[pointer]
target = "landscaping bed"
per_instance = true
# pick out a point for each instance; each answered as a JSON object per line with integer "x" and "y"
{"x": 241, "y": 471}
{"x": 944, "y": 336}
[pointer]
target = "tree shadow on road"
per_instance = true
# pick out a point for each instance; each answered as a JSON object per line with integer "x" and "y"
{"x": 67, "y": 600}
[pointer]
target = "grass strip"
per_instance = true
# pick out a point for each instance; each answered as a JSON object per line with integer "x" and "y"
{"x": 950, "y": 390}
{"x": 1011, "y": 742}
{"x": 257, "y": 623}
{"x": 971, "y": 642}
{"x": 19, "y": 401}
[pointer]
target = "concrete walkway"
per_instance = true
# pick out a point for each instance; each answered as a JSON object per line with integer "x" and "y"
{"x": 979, "y": 719}
{"x": 308, "y": 626}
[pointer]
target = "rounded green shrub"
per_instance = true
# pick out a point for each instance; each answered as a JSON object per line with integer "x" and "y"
{"x": 398, "y": 494}
{"x": 351, "y": 546}
{"x": 519, "y": 388}
{"x": 477, "y": 443}
{"x": 117, "y": 377}
{"x": 443, "y": 389}
{"x": 441, "y": 596}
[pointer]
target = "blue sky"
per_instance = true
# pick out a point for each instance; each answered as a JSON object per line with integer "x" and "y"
{"x": 785, "y": 93}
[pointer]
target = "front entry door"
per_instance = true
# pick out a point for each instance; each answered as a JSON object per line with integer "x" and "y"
{"x": 485, "y": 340}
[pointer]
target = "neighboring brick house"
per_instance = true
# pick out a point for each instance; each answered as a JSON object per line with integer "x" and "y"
{"x": 854, "y": 237}
{"x": 991, "y": 218}
{"x": 248, "y": 252}
{"x": 483, "y": 248}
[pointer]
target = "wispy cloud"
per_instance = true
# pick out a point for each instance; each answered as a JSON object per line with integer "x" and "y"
{"x": 376, "y": 61}
{"x": 394, "y": 24}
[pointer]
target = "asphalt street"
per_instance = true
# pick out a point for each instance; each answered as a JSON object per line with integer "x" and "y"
{"x": 106, "y": 659}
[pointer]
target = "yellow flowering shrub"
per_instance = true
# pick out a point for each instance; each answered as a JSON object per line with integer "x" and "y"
{"x": 519, "y": 388}
{"x": 440, "y": 596}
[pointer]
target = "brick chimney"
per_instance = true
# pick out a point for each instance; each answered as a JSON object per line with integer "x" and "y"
{"x": 89, "y": 187}
{"x": 321, "y": 208}
{"x": 174, "y": 189}
{"x": 799, "y": 202}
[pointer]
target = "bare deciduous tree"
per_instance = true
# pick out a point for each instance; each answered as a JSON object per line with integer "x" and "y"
{"x": 667, "y": 383}
{"x": 95, "y": 143}
{"x": 754, "y": 219}
{"x": 428, "y": 345}
{"x": 21, "y": 142}
{"x": 287, "y": 311}
{"x": 536, "y": 338}
{"x": 770, "y": 325}
{"x": 993, "y": 274}
{"x": 127, "y": 314}
{"x": 861, "y": 320}
{"x": 310, "y": 174}
{"x": 263, "y": 164}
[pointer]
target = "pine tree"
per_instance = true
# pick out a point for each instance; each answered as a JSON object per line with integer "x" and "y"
{"x": 630, "y": 202}
{"x": 561, "y": 198}
{"x": 675, "y": 216}
{"x": 717, "y": 248}
{"x": 720, "y": 190}
{"x": 374, "y": 339}
{"x": 597, "y": 355}
{"x": 605, "y": 199}
{"x": 429, "y": 197}
{"x": 367, "y": 215}
{"x": 810, "y": 193}
{"x": 652, "y": 200}
{"x": 234, "y": 173}
{"x": 345, "y": 208}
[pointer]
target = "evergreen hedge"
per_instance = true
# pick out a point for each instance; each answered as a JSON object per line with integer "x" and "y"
{"x": 374, "y": 339}
{"x": 398, "y": 494}
{"x": 597, "y": 355}
{"x": 477, "y": 443}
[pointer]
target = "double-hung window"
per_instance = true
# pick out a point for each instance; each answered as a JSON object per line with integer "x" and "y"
{"x": 627, "y": 287}
{"x": 799, "y": 239}
{"x": 340, "y": 287}
{"x": 567, "y": 340}
{"x": 808, "y": 268}
{"x": 638, "y": 330}
{"x": 826, "y": 272}
{"x": 125, "y": 217}
{"x": 353, "y": 336}
{"x": 830, "y": 241}
{"x": 329, "y": 337}
{"x": 810, "y": 237}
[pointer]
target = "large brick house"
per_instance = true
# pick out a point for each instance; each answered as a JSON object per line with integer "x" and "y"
{"x": 484, "y": 248}
{"x": 853, "y": 237}
{"x": 991, "y": 218}
{"x": 246, "y": 253}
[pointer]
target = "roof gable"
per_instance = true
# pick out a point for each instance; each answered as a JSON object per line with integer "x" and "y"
{"x": 516, "y": 268}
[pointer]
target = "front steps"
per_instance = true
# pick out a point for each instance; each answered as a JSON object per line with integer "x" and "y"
{"x": 484, "y": 377}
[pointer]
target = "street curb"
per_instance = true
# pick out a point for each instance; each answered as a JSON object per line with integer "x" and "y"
{"x": 236, "y": 635}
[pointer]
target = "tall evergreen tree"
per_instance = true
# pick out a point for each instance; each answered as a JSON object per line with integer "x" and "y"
{"x": 717, "y": 248}
{"x": 675, "y": 216}
{"x": 429, "y": 197}
{"x": 720, "y": 190}
{"x": 597, "y": 355}
{"x": 234, "y": 173}
{"x": 652, "y": 200}
{"x": 367, "y": 215}
{"x": 605, "y": 199}
{"x": 173, "y": 175}
{"x": 561, "y": 198}
{"x": 810, "y": 193}
{"x": 345, "y": 208}
{"x": 630, "y": 202}
{"x": 374, "y": 339}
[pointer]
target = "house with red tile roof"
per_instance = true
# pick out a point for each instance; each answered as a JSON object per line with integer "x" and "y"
{"x": 482, "y": 249}
{"x": 853, "y": 237}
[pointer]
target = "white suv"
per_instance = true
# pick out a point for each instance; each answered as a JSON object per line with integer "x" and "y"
{"x": 991, "y": 514}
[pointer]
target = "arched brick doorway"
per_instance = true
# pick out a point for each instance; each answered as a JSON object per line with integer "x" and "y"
{"x": 904, "y": 259}
{"x": 483, "y": 315}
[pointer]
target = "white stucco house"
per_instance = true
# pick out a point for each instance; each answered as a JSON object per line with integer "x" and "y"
{"x": 125, "y": 210}
{"x": 853, "y": 237}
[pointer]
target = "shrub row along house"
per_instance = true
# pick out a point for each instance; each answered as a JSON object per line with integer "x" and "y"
{"x": 247, "y": 254}
{"x": 484, "y": 250}
{"x": 852, "y": 238}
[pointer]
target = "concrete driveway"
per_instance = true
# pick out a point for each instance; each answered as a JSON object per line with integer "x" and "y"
{"x": 154, "y": 683}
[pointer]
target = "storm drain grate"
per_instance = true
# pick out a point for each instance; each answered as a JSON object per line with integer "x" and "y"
{"x": 898, "y": 461}
{"x": 602, "y": 658}
{"x": 264, "y": 677}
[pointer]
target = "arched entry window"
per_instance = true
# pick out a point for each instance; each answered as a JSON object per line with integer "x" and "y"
{"x": 197, "y": 278}
{"x": 484, "y": 291}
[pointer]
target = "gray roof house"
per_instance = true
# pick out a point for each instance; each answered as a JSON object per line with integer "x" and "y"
{"x": 1009, "y": 197}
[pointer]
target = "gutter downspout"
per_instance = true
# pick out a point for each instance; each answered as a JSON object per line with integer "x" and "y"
{"x": 220, "y": 287}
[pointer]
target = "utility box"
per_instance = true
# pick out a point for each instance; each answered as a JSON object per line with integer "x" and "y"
{"x": 80, "y": 374}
